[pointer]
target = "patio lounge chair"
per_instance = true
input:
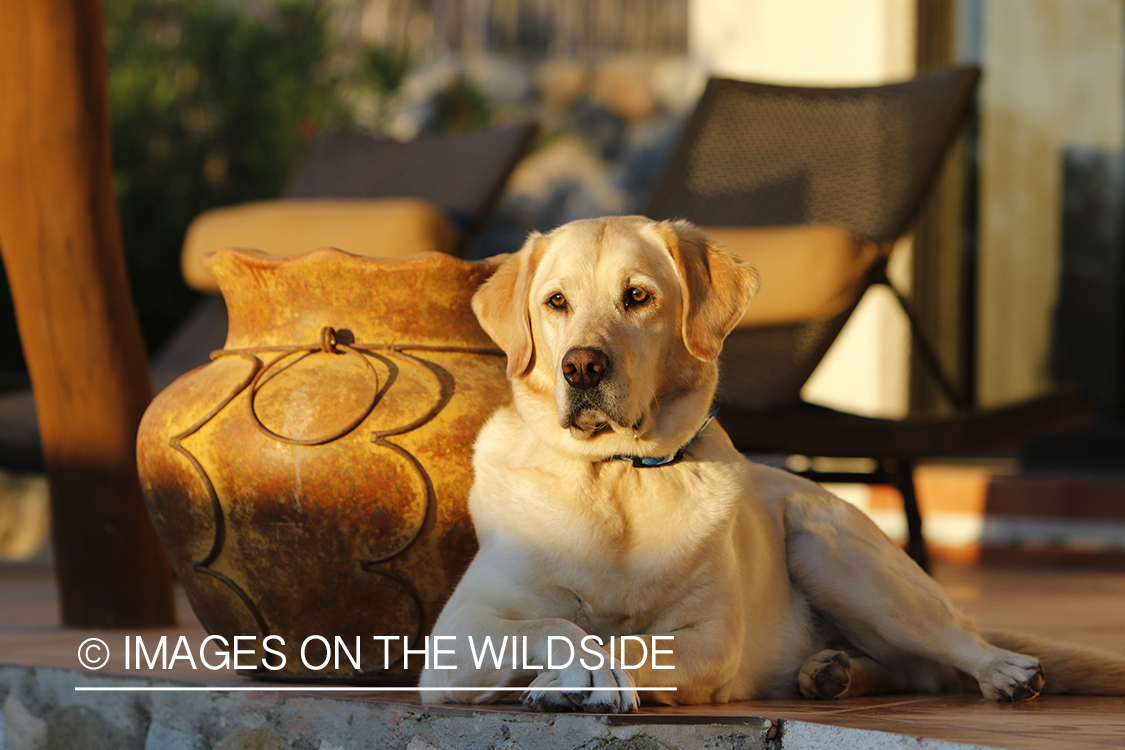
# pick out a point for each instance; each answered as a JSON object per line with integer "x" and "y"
{"x": 369, "y": 195}
{"x": 815, "y": 185}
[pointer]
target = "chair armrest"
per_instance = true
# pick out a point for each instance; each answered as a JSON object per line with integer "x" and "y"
{"x": 814, "y": 430}
{"x": 808, "y": 272}
{"x": 382, "y": 227}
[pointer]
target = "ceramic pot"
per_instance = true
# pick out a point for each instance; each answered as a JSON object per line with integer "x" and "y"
{"x": 312, "y": 479}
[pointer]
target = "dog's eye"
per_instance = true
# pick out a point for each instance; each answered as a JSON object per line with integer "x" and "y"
{"x": 636, "y": 297}
{"x": 557, "y": 301}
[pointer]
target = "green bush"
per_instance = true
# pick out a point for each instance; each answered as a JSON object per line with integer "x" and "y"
{"x": 210, "y": 107}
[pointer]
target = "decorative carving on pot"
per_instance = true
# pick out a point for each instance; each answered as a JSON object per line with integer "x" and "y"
{"x": 312, "y": 480}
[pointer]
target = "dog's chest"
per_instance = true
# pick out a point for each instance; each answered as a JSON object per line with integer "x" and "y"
{"x": 622, "y": 541}
{"x": 640, "y": 517}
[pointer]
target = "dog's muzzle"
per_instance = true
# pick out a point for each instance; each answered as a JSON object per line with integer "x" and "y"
{"x": 583, "y": 405}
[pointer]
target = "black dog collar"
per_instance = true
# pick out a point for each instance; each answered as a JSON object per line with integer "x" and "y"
{"x": 650, "y": 462}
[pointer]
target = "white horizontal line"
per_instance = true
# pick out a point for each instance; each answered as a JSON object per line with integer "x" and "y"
{"x": 343, "y": 689}
{"x": 1104, "y": 534}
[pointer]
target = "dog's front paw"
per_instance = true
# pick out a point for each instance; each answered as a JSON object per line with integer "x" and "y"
{"x": 602, "y": 691}
{"x": 546, "y": 693}
{"x": 1012, "y": 677}
{"x": 825, "y": 675}
{"x": 613, "y": 693}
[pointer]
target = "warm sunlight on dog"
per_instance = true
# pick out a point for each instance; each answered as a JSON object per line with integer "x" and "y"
{"x": 616, "y": 520}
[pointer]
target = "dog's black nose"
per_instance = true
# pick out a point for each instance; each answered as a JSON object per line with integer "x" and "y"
{"x": 584, "y": 367}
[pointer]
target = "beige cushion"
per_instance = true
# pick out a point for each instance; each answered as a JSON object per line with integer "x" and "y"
{"x": 808, "y": 272}
{"x": 384, "y": 227}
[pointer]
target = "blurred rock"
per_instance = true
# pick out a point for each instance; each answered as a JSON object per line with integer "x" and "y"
{"x": 676, "y": 84}
{"x": 622, "y": 86}
{"x": 646, "y": 151}
{"x": 406, "y": 122}
{"x": 415, "y": 102}
{"x": 427, "y": 79}
{"x": 566, "y": 159}
{"x": 608, "y": 129}
{"x": 561, "y": 82}
{"x": 502, "y": 80}
{"x": 599, "y": 127}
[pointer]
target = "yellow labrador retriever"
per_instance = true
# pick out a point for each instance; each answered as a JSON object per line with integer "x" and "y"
{"x": 619, "y": 527}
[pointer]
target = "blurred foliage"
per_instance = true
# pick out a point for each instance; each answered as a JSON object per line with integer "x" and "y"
{"x": 386, "y": 70}
{"x": 462, "y": 107}
{"x": 210, "y": 107}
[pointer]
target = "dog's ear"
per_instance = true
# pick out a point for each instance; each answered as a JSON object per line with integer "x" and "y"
{"x": 501, "y": 306}
{"x": 717, "y": 286}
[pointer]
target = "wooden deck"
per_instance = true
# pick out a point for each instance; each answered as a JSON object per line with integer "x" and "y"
{"x": 1082, "y": 606}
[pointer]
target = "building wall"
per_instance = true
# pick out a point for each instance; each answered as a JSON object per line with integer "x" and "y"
{"x": 805, "y": 41}
{"x": 1054, "y": 78}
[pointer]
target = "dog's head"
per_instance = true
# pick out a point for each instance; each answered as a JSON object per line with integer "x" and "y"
{"x": 613, "y": 329}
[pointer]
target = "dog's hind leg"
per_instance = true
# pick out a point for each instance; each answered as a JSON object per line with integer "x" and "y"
{"x": 881, "y": 602}
{"x": 830, "y": 674}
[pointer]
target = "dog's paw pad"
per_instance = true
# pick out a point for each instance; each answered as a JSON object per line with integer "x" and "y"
{"x": 826, "y": 675}
{"x": 1012, "y": 678}
{"x": 1029, "y": 689}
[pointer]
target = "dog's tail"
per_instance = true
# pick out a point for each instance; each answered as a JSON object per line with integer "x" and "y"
{"x": 1068, "y": 668}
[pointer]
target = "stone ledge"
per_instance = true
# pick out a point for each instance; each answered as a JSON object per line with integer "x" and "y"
{"x": 42, "y": 711}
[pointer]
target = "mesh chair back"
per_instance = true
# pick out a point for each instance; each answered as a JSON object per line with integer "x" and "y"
{"x": 754, "y": 154}
{"x": 462, "y": 174}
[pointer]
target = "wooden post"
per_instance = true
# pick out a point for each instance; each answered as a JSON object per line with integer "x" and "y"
{"x": 61, "y": 245}
{"x": 943, "y": 289}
